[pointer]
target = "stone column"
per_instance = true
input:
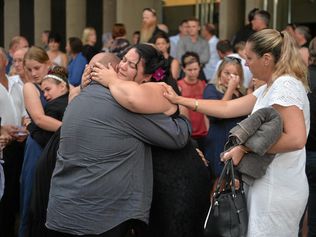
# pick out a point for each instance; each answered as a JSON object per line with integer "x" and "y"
{"x": 231, "y": 18}
{"x": 42, "y": 19}
{"x": 109, "y": 15}
{"x": 11, "y": 20}
{"x": 75, "y": 18}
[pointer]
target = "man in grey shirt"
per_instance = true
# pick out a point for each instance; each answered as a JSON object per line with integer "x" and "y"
{"x": 193, "y": 43}
{"x": 103, "y": 172}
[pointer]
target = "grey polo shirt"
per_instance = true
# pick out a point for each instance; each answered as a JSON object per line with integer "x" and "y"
{"x": 103, "y": 173}
{"x": 200, "y": 47}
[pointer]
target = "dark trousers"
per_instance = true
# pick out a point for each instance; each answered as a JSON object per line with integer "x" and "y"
{"x": 9, "y": 204}
{"x": 311, "y": 176}
{"x": 129, "y": 228}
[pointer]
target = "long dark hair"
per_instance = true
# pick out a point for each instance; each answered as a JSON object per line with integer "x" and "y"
{"x": 153, "y": 60}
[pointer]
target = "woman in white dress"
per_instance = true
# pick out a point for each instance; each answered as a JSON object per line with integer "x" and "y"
{"x": 276, "y": 201}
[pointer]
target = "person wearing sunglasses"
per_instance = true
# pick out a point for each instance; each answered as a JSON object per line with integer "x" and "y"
{"x": 225, "y": 49}
{"x": 227, "y": 85}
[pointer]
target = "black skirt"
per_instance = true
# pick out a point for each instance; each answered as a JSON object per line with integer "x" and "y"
{"x": 181, "y": 194}
{"x": 41, "y": 186}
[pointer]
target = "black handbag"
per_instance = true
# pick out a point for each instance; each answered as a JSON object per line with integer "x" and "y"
{"x": 227, "y": 215}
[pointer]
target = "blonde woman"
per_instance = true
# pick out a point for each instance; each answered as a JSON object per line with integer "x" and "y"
{"x": 228, "y": 85}
{"x": 89, "y": 39}
{"x": 37, "y": 65}
{"x": 276, "y": 201}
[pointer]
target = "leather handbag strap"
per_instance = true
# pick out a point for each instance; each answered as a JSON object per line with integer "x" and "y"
{"x": 228, "y": 174}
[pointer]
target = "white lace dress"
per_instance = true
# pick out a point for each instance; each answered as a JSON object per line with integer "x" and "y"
{"x": 276, "y": 201}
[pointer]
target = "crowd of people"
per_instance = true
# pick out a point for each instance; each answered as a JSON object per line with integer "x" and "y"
{"x": 128, "y": 140}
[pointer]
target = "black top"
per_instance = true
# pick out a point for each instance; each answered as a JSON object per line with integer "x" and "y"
{"x": 181, "y": 193}
{"x": 311, "y": 141}
{"x": 41, "y": 186}
{"x": 89, "y": 51}
{"x": 243, "y": 34}
{"x": 55, "y": 109}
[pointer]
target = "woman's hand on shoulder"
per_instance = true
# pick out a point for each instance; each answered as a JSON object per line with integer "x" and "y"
{"x": 169, "y": 93}
{"x": 103, "y": 74}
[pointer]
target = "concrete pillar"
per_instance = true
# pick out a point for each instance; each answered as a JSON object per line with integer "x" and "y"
{"x": 11, "y": 20}
{"x": 75, "y": 18}
{"x": 42, "y": 19}
{"x": 231, "y": 18}
{"x": 109, "y": 15}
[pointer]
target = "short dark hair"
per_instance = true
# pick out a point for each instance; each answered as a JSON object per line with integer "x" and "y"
{"x": 183, "y": 21}
{"x": 162, "y": 36}
{"x": 189, "y": 58}
{"x": 264, "y": 15}
{"x": 75, "y": 44}
{"x": 224, "y": 46}
{"x": 54, "y": 37}
{"x": 304, "y": 30}
{"x": 193, "y": 19}
{"x": 210, "y": 28}
{"x": 252, "y": 13}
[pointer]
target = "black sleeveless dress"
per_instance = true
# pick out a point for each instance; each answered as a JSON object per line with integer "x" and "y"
{"x": 181, "y": 193}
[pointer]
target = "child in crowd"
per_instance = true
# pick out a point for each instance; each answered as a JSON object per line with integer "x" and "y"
{"x": 56, "y": 89}
{"x": 192, "y": 87}
{"x": 228, "y": 84}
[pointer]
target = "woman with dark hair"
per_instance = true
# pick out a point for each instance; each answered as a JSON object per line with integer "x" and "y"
{"x": 162, "y": 42}
{"x": 181, "y": 180}
{"x": 77, "y": 62}
{"x": 56, "y": 56}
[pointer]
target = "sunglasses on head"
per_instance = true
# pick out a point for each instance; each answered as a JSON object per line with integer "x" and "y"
{"x": 229, "y": 59}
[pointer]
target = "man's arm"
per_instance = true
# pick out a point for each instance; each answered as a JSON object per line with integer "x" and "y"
{"x": 161, "y": 130}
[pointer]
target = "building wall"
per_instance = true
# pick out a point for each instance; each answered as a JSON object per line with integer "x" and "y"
{"x": 231, "y": 17}
{"x": 304, "y": 11}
